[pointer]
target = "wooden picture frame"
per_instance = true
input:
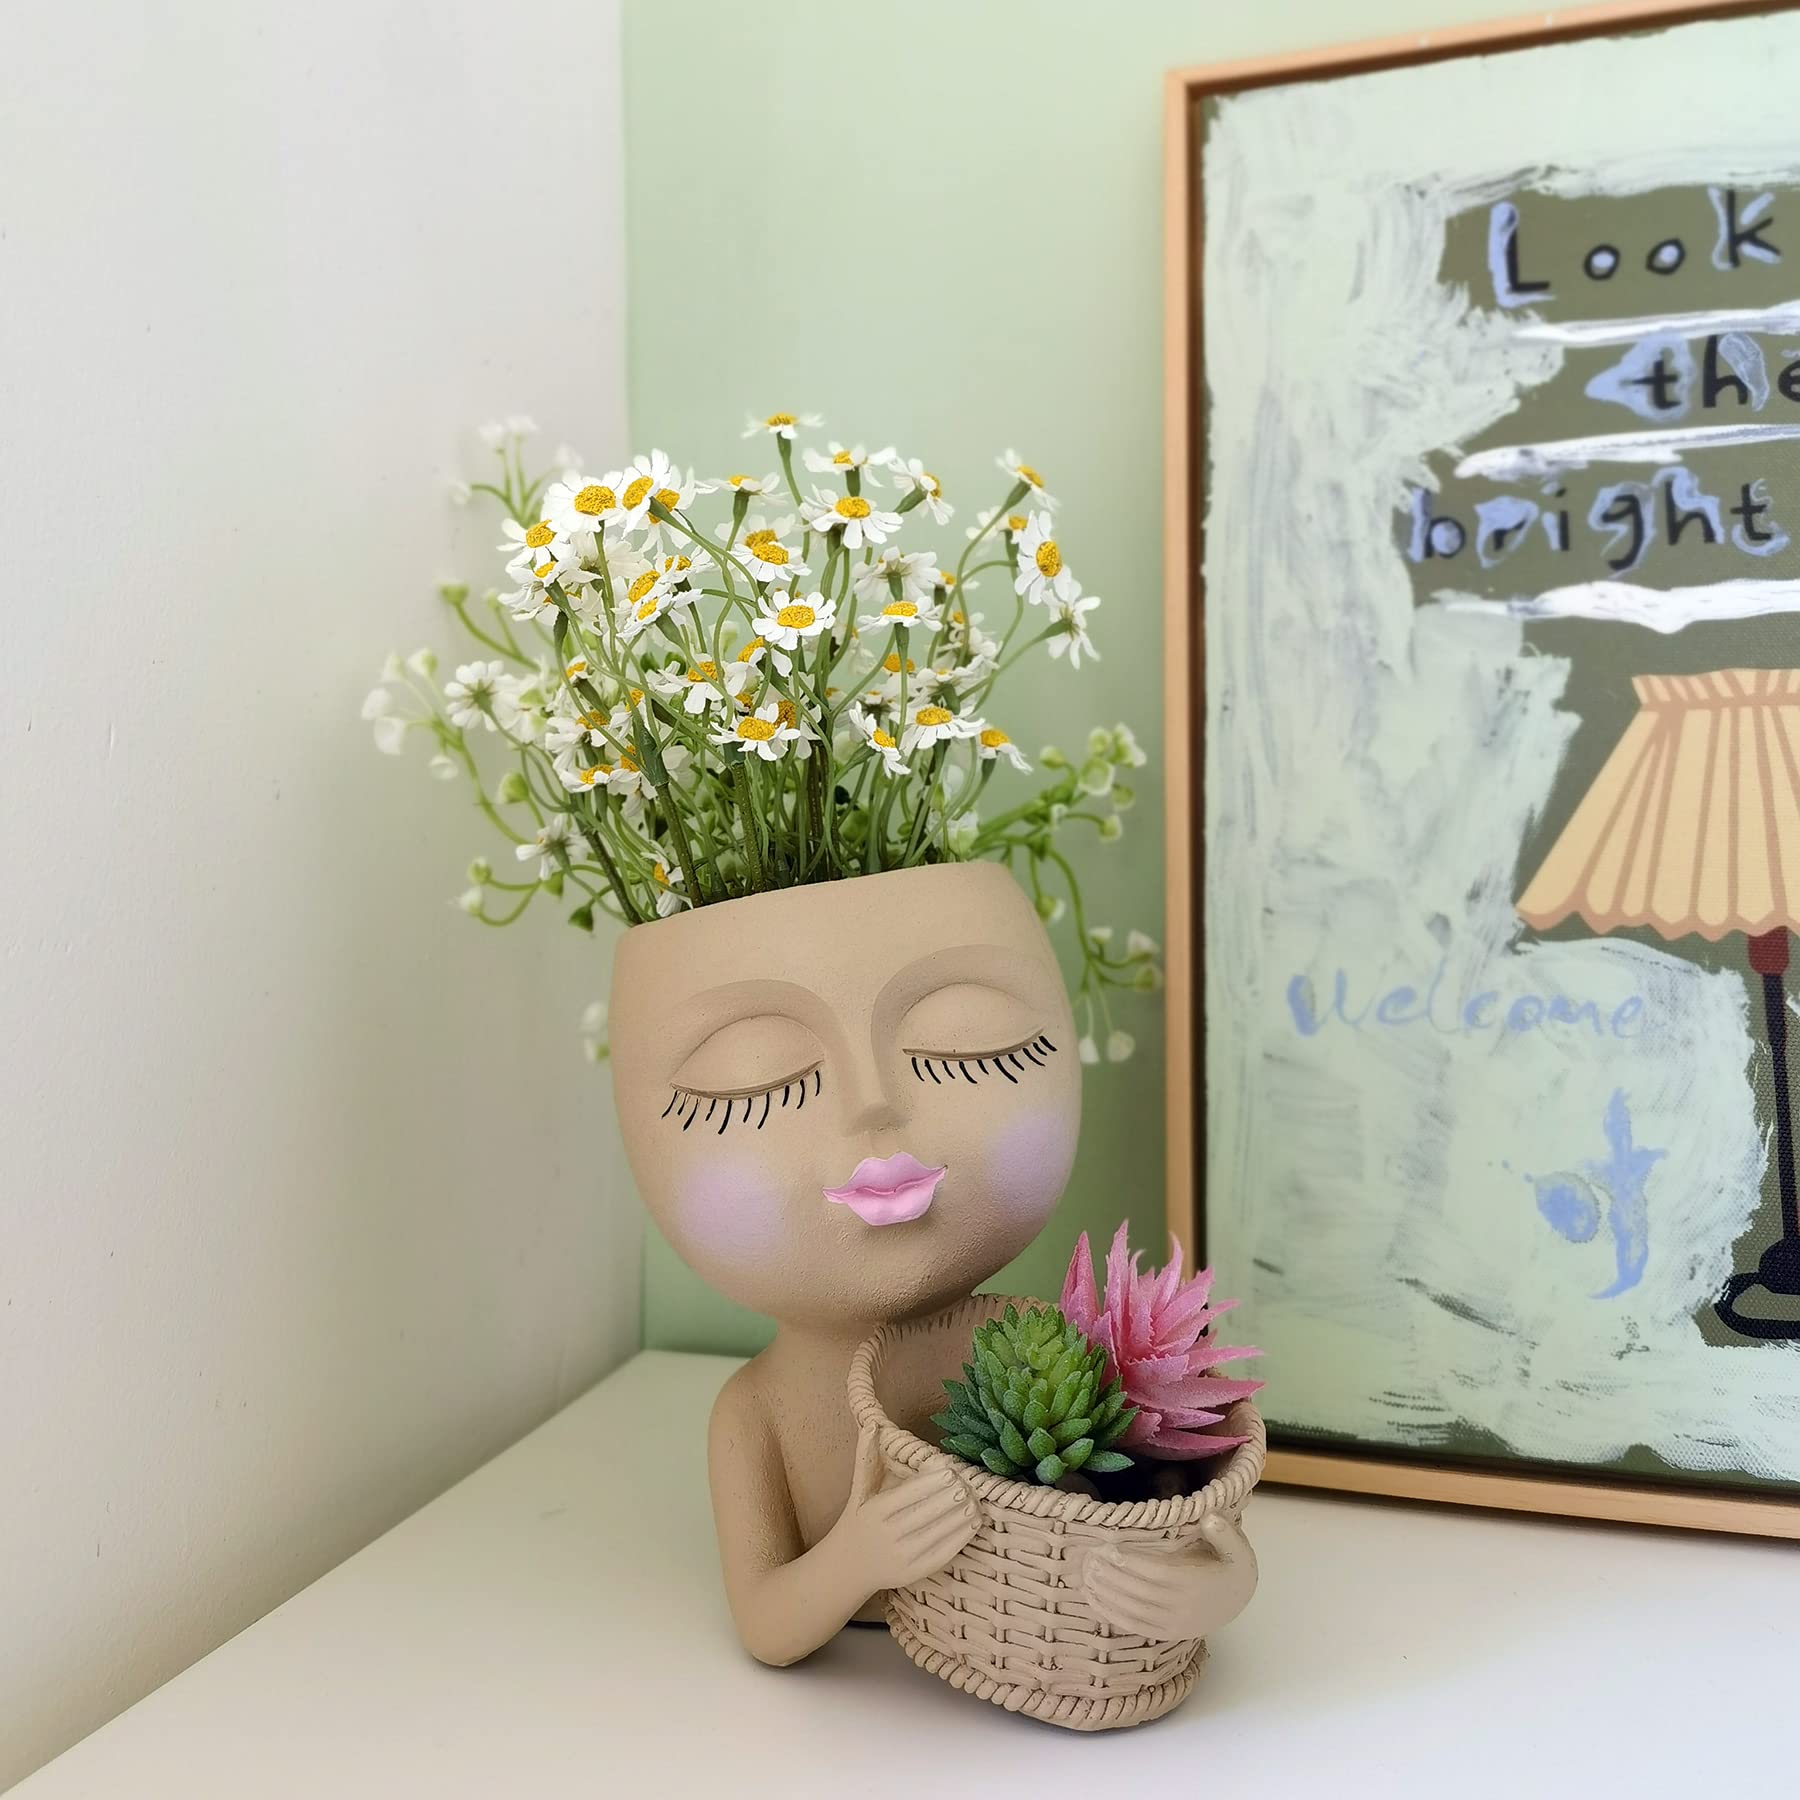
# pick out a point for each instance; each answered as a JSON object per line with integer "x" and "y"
{"x": 1400, "y": 1475}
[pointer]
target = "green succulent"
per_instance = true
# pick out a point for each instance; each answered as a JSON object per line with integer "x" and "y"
{"x": 1031, "y": 1405}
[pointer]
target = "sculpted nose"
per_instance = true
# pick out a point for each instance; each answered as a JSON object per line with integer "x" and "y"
{"x": 871, "y": 1104}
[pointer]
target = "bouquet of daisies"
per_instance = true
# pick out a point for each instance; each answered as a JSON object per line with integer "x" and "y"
{"x": 689, "y": 691}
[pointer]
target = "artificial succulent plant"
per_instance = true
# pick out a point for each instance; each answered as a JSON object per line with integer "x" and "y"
{"x": 1034, "y": 1404}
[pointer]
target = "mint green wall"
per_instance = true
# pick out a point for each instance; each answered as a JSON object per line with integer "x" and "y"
{"x": 939, "y": 224}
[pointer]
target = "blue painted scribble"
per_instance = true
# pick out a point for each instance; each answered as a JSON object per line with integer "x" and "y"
{"x": 1570, "y": 1201}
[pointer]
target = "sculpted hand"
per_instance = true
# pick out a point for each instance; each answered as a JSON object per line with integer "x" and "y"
{"x": 1165, "y": 1591}
{"x": 896, "y": 1535}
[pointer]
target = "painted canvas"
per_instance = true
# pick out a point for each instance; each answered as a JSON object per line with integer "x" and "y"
{"x": 1498, "y": 530}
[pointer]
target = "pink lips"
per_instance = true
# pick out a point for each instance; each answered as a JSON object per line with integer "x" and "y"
{"x": 888, "y": 1190}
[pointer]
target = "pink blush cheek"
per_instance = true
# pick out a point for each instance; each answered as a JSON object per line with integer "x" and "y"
{"x": 1028, "y": 1164}
{"x": 728, "y": 1211}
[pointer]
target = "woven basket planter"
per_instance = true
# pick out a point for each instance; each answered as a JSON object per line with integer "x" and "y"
{"x": 1008, "y": 1620}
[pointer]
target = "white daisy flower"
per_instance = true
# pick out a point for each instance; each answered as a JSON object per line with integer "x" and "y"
{"x": 839, "y": 459}
{"x": 557, "y": 841}
{"x": 390, "y": 734}
{"x": 786, "y": 624}
{"x": 521, "y": 425}
{"x": 1070, "y": 616}
{"x": 928, "y": 724}
{"x": 570, "y": 725}
{"x": 764, "y": 558}
{"x": 991, "y": 741}
{"x": 1043, "y": 576}
{"x": 652, "y": 596}
{"x": 965, "y": 629}
{"x": 577, "y": 668}
{"x": 781, "y": 425}
{"x": 579, "y": 505}
{"x": 916, "y": 571}
{"x": 701, "y": 685}
{"x": 1012, "y": 527}
{"x": 870, "y": 732}
{"x": 492, "y": 434}
{"x": 850, "y": 514}
{"x": 526, "y": 546}
{"x": 668, "y": 878}
{"x": 913, "y": 475}
{"x": 482, "y": 693}
{"x": 762, "y": 733}
{"x": 642, "y": 480}
{"x": 766, "y": 487}
{"x": 904, "y": 614}
{"x": 1023, "y": 471}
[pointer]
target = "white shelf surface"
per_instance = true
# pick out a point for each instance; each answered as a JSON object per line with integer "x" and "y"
{"x": 553, "y": 1626}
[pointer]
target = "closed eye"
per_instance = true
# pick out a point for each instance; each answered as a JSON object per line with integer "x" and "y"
{"x": 957, "y": 1066}
{"x": 739, "y": 1105}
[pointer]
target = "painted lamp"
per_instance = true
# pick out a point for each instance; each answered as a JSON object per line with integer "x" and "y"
{"x": 1692, "y": 826}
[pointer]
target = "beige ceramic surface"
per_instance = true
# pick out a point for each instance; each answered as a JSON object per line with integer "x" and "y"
{"x": 771, "y": 1049}
{"x": 1080, "y": 1612}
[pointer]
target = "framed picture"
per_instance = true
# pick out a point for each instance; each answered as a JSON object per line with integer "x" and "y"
{"x": 1483, "y": 703}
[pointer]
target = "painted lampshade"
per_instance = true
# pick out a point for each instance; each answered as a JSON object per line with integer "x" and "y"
{"x": 1692, "y": 826}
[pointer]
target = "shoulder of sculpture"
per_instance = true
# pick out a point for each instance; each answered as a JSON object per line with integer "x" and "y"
{"x": 740, "y": 1416}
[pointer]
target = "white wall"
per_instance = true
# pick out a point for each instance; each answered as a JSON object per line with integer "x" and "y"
{"x": 308, "y": 1202}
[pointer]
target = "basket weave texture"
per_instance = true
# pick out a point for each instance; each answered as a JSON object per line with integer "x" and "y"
{"x": 1008, "y": 1620}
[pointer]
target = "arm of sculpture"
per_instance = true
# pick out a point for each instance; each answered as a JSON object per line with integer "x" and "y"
{"x": 787, "y": 1600}
{"x": 1174, "y": 1591}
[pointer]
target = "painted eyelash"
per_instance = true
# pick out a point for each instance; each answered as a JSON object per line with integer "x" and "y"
{"x": 684, "y": 1103}
{"x": 1021, "y": 1057}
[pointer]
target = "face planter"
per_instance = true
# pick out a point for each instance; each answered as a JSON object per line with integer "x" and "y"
{"x": 845, "y": 1105}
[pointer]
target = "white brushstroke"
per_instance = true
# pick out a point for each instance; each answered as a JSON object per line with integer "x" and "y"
{"x": 1658, "y": 609}
{"x": 1521, "y": 462}
{"x": 1588, "y": 333}
{"x": 1372, "y": 769}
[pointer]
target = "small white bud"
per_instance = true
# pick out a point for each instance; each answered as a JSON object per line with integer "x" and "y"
{"x": 376, "y": 703}
{"x": 493, "y": 434}
{"x": 512, "y": 788}
{"x": 470, "y": 900}
{"x": 1052, "y": 758}
{"x": 1100, "y": 741}
{"x": 442, "y": 768}
{"x": 964, "y": 829}
{"x": 1100, "y": 935}
{"x": 1139, "y": 944}
{"x": 481, "y": 871}
{"x": 1119, "y": 1046}
{"x": 521, "y": 425}
{"x": 1123, "y": 798}
{"x": 1096, "y": 775}
{"x": 393, "y": 669}
{"x": 1148, "y": 979}
{"x": 1087, "y": 1049}
{"x": 1111, "y": 829}
{"x": 460, "y": 492}
{"x": 423, "y": 663}
{"x": 390, "y": 734}
{"x": 1049, "y": 908}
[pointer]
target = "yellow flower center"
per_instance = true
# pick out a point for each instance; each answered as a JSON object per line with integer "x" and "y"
{"x": 738, "y": 481}
{"x": 946, "y": 579}
{"x": 931, "y": 485}
{"x": 543, "y": 570}
{"x": 758, "y": 731}
{"x": 590, "y": 776}
{"x": 762, "y": 535}
{"x": 1026, "y": 472}
{"x": 841, "y": 458}
{"x": 787, "y": 713}
{"x": 931, "y": 715}
{"x": 852, "y": 506}
{"x": 594, "y": 499}
{"x": 1048, "y": 559}
{"x": 639, "y": 588}
{"x": 590, "y": 721}
{"x": 770, "y": 553}
{"x": 667, "y": 499}
{"x": 749, "y": 651}
{"x": 775, "y": 419}
{"x": 637, "y": 490}
{"x": 891, "y": 662}
{"x": 647, "y": 610}
{"x": 900, "y": 609}
{"x": 628, "y": 762}
{"x": 882, "y": 739}
{"x": 662, "y": 875}
{"x": 706, "y": 671}
{"x": 636, "y": 696}
{"x": 992, "y": 739}
{"x": 795, "y": 618}
{"x": 539, "y": 535}
{"x": 1016, "y": 521}
{"x": 577, "y": 669}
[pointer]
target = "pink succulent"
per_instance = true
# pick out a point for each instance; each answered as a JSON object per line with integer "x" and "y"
{"x": 1154, "y": 1329}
